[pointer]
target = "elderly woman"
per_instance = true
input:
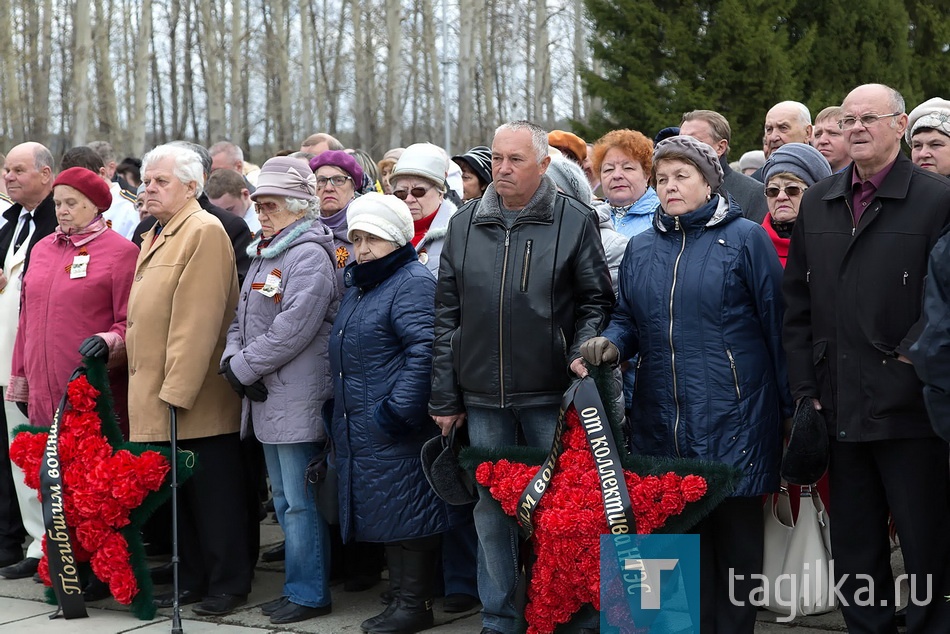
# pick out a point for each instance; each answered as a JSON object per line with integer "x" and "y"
{"x": 623, "y": 159}
{"x": 385, "y": 167}
{"x": 419, "y": 180}
{"x": 276, "y": 360}
{"x": 788, "y": 172}
{"x": 74, "y": 299}
{"x": 183, "y": 299}
{"x": 701, "y": 302}
{"x": 928, "y": 135}
{"x": 339, "y": 177}
{"x": 476, "y": 171}
{"x": 380, "y": 360}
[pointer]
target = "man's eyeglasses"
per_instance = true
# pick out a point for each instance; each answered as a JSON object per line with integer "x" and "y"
{"x": 792, "y": 191}
{"x": 336, "y": 181}
{"x": 417, "y": 192}
{"x": 867, "y": 120}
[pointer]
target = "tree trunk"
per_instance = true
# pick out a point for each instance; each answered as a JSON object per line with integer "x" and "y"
{"x": 140, "y": 79}
{"x": 212, "y": 55}
{"x": 41, "y": 78}
{"x": 580, "y": 61}
{"x": 430, "y": 52}
{"x": 392, "y": 127}
{"x": 11, "y": 108}
{"x": 543, "y": 98}
{"x": 105, "y": 85}
{"x": 468, "y": 26}
{"x": 80, "y": 71}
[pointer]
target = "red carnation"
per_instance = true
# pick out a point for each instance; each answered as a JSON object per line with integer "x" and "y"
{"x": 82, "y": 395}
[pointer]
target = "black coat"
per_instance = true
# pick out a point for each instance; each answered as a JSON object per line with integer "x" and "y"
{"x": 235, "y": 227}
{"x": 44, "y": 216}
{"x": 853, "y": 297}
{"x": 514, "y": 305}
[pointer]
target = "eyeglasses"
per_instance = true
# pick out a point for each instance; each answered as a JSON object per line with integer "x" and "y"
{"x": 791, "y": 191}
{"x": 417, "y": 192}
{"x": 336, "y": 181}
{"x": 867, "y": 120}
{"x": 267, "y": 207}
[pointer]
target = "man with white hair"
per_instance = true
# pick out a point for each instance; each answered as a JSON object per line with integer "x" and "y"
{"x": 785, "y": 122}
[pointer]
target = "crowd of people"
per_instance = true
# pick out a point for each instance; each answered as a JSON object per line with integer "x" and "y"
{"x": 326, "y": 305}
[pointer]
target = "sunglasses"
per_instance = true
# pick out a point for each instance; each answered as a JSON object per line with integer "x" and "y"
{"x": 790, "y": 190}
{"x": 336, "y": 181}
{"x": 267, "y": 208}
{"x": 417, "y": 192}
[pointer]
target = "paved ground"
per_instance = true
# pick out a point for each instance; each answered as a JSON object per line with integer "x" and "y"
{"x": 22, "y": 610}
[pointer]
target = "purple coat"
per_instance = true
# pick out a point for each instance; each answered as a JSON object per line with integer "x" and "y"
{"x": 282, "y": 339}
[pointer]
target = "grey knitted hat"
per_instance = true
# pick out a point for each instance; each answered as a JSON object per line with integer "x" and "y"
{"x": 570, "y": 179}
{"x": 799, "y": 159}
{"x": 697, "y": 152}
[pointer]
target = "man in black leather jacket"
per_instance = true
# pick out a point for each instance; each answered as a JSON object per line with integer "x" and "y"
{"x": 523, "y": 281}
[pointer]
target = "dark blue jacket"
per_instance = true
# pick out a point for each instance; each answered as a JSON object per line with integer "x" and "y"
{"x": 380, "y": 361}
{"x": 701, "y": 302}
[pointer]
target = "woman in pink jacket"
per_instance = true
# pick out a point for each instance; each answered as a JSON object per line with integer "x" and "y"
{"x": 73, "y": 301}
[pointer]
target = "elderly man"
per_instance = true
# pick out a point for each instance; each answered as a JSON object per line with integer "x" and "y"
{"x": 227, "y": 156}
{"x": 317, "y": 144}
{"x": 28, "y": 173}
{"x": 714, "y": 130}
{"x": 509, "y": 322}
{"x": 785, "y": 122}
{"x": 828, "y": 138}
{"x": 853, "y": 286}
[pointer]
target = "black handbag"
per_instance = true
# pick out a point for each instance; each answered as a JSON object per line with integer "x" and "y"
{"x": 440, "y": 464}
{"x": 806, "y": 456}
{"x": 322, "y": 477}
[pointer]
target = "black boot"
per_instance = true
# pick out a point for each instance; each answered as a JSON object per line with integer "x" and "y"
{"x": 394, "y": 562}
{"x": 413, "y": 611}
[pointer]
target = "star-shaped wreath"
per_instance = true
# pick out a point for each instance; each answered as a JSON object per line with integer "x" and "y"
{"x": 668, "y": 496}
{"x": 110, "y": 487}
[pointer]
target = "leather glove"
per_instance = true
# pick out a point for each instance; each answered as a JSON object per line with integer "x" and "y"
{"x": 23, "y": 408}
{"x": 235, "y": 383}
{"x": 597, "y": 350}
{"x": 257, "y": 391}
{"x": 95, "y": 347}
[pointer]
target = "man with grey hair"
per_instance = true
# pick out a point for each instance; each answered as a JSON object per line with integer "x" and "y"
{"x": 106, "y": 152}
{"x": 853, "y": 284}
{"x": 785, "y": 122}
{"x": 523, "y": 280}
{"x": 714, "y": 130}
{"x": 28, "y": 173}
{"x": 226, "y": 155}
{"x": 320, "y": 142}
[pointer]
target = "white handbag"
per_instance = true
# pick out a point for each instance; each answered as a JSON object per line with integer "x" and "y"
{"x": 797, "y": 566}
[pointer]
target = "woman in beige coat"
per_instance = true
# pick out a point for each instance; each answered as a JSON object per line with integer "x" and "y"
{"x": 183, "y": 299}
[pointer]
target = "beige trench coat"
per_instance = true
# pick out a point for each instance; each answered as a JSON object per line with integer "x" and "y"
{"x": 183, "y": 299}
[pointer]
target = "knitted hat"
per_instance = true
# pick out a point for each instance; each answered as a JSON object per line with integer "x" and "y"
{"x": 570, "y": 179}
{"x": 753, "y": 159}
{"x": 384, "y": 216}
{"x": 87, "y": 183}
{"x": 342, "y": 160}
{"x": 799, "y": 159}
{"x": 423, "y": 160}
{"x": 697, "y": 152}
{"x": 666, "y": 133}
{"x": 571, "y": 142}
{"x": 479, "y": 159}
{"x": 394, "y": 153}
{"x": 933, "y": 113}
{"x": 285, "y": 176}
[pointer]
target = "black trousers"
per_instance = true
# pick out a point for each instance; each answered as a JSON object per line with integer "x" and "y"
{"x": 731, "y": 542}
{"x": 12, "y": 533}
{"x": 212, "y": 519}
{"x": 910, "y": 478}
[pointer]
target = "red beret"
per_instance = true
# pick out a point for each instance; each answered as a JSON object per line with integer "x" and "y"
{"x": 89, "y": 184}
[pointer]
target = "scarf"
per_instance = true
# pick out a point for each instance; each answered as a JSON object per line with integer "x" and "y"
{"x": 85, "y": 235}
{"x": 421, "y": 226}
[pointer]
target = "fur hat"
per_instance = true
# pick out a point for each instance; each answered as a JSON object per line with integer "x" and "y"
{"x": 479, "y": 159}
{"x": 342, "y": 160}
{"x": 933, "y": 113}
{"x": 570, "y": 179}
{"x": 571, "y": 142}
{"x": 799, "y": 159}
{"x": 87, "y": 183}
{"x": 697, "y": 152}
{"x": 381, "y": 215}
{"x": 285, "y": 176}
{"x": 424, "y": 160}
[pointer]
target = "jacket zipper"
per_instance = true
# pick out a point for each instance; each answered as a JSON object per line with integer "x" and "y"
{"x": 501, "y": 321}
{"x": 676, "y": 399}
{"x": 527, "y": 264}
{"x": 854, "y": 225}
{"x": 735, "y": 375}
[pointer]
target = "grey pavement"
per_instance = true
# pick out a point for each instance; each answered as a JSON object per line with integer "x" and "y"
{"x": 22, "y": 609}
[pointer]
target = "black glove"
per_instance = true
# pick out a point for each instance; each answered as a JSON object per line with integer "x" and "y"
{"x": 235, "y": 383}
{"x": 256, "y": 391}
{"x": 95, "y": 347}
{"x": 23, "y": 409}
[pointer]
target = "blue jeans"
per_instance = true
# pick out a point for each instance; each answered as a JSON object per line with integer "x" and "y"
{"x": 306, "y": 535}
{"x": 499, "y": 569}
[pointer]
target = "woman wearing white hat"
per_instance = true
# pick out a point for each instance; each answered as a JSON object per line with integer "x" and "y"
{"x": 928, "y": 134}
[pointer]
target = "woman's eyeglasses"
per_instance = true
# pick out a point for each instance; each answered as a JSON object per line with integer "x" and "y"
{"x": 791, "y": 191}
{"x": 336, "y": 181}
{"x": 267, "y": 207}
{"x": 417, "y": 192}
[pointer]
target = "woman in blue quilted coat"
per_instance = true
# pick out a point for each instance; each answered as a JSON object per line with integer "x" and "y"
{"x": 381, "y": 359}
{"x": 701, "y": 302}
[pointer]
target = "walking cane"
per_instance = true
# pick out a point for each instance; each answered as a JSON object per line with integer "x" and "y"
{"x": 176, "y": 607}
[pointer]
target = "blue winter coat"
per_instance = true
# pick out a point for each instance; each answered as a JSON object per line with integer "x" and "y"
{"x": 380, "y": 360}
{"x": 701, "y": 302}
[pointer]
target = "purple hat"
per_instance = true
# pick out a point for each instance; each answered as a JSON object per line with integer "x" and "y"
{"x": 285, "y": 176}
{"x": 339, "y": 158}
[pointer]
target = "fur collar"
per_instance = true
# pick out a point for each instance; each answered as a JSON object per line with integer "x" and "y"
{"x": 283, "y": 240}
{"x": 538, "y": 209}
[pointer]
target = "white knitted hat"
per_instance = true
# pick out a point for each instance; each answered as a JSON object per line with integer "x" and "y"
{"x": 384, "y": 216}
